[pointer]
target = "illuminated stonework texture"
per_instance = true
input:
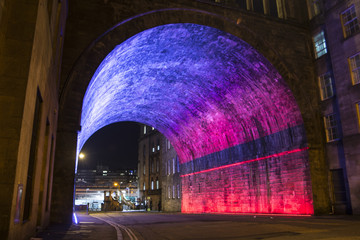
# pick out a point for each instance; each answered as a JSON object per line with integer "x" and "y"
{"x": 228, "y": 113}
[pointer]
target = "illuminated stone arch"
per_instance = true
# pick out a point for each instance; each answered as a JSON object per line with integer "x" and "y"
{"x": 194, "y": 167}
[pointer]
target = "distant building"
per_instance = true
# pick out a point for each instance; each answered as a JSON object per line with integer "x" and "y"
{"x": 159, "y": 172}
{"x": 149, "y": 165}
{"x": 91, "y": 185}
{"x": 105, "y": 177}
{"x": 336, "y": 39}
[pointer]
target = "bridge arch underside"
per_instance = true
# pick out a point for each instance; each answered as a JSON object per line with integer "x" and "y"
{"x": 228, "y": 113}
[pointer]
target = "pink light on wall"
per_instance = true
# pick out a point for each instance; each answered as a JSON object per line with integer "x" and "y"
{"x": 248, "y": 161}
{"x": 278, "y": 183}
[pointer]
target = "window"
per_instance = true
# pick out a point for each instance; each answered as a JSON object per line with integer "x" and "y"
{"x": 349, "y": 22}
{"x": 314, "y": 8}
{"x": 258, "y": 6}
{"x": 173, "y": 163}
{"x": 157, "y": 165}
{"x": 144, "y": 168}
{"x": 50, "y": 8}
{"x": 152, "y": 147}
{"x": 30, "y": 179}
{"x": 319, "y": 44}
{"x": 354, "y": 63}
{"x": 173, "y": 193}
{"x": 144, "y": 188}
{"x": 273, "y": 8}
{"x": 338, "y": 183}
{"x": 168, "y": 144}
{"x": 331, "y": 127}
{"x": 169, "y": 167}
{"x": 177, "y": 164}
{"x": 178, "y": 190}
{"x": 358, "y": 112}
{"x": 157, "y": 183}
{"x": 242, "y": 4}
{"x": 169, "y": 192}
{"x": 325, "y": 83}
{"x": 144, "y": 130}
{"x": 49, "y": 180}
{"x": 152, "y": 184}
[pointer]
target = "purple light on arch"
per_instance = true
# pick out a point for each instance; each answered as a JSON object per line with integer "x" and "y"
{"x": 189, "y": 80}
{"x": 207, "y": 91}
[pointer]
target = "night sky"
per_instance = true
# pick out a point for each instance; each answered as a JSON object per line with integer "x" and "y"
{"x": 115, "y": 146}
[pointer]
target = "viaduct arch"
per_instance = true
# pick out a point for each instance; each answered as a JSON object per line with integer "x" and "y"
{"x": 295, "y": 69}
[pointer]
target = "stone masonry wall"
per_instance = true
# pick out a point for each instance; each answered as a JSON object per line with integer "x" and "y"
{"x": 287, "y": 45}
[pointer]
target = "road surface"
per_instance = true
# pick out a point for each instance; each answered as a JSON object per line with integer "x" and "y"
{"x": 174, "y": 226}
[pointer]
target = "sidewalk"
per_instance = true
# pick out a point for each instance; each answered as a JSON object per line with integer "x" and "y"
{"x": 88, "y": 228}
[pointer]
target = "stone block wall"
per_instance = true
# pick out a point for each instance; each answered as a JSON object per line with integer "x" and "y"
{"x": 279, "y": 184}
{"x": 286, "y": 44}
{"x": 259, "y": 177}
{"x": 26, "y": 60}
{"x": 343, "y": 153}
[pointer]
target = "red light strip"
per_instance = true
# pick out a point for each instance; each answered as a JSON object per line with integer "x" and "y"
{"x": 248, "y": 161}
{"x": 255, "y": 214}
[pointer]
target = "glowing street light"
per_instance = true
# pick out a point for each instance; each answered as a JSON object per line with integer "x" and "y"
{"x": 81, "y": 156}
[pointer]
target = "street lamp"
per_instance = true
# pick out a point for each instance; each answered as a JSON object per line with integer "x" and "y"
{"x": 117, "y": 185}
{"x": 81, "y": 155}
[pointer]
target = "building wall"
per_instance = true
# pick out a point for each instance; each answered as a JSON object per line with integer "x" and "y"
{"x": 2, "y": 2}
{"x": 143, "y": 164}
{"x": 287, "y": 46}
{"x": 347, "y": 95}
{"x": 149, "y": 162}
{"x": 171, "y": 181}
{"x": 28, "y": 56}
{"x": 343, "y": 153}
{"x": 159, "y": 157}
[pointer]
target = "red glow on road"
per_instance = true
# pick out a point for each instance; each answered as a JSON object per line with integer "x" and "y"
{"x": 248, "y": 161}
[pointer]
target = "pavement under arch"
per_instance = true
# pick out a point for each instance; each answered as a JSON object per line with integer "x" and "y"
{"x": 228, "y": 113}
